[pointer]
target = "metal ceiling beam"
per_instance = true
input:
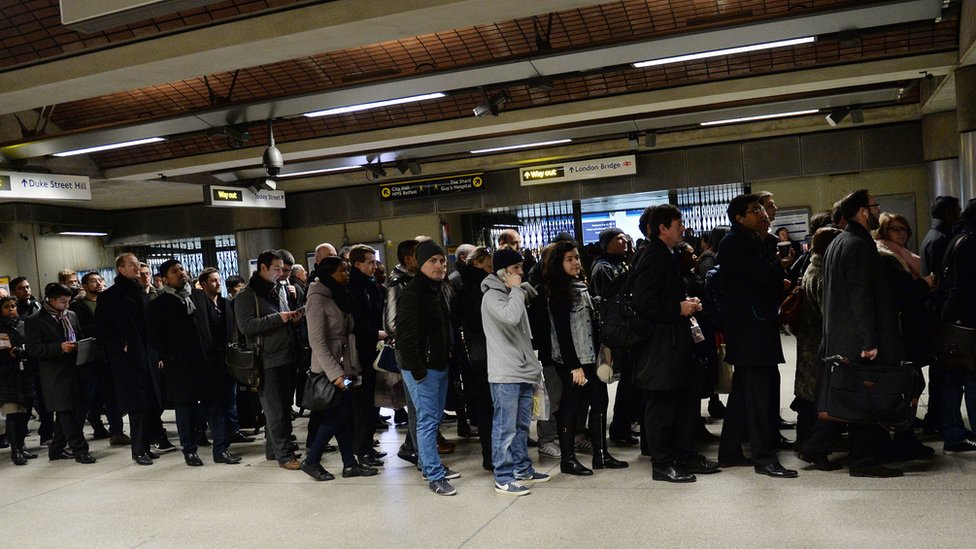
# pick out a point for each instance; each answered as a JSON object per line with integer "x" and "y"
{"x": 562, "y": 115}
{"x": 887, "y": 13}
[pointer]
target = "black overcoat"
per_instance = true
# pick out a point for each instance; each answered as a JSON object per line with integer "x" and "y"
{"x": 662, "y": 362}
{"x": 15, "y": 384}
{"x": 60, "y": 378}
{"x": 175, "y": 335}
{"x": 120, "y": 324}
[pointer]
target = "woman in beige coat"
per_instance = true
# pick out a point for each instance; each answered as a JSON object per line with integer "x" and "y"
{"x": 330, "y": 334}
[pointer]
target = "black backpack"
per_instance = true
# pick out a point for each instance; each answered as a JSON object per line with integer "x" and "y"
{"x": 712, "y": 299}
{"x": 621, "y": 327}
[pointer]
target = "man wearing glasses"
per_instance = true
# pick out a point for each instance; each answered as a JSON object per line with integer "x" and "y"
{"x": 752, "y": 288}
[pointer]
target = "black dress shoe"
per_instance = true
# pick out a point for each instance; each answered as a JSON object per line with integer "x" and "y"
{"x": 227, "y": 457}
{"x": 84, "y": 457}
{"x": 820, "y": 463}
{"x": 152, "y": 455}
{"x": 741, "y": 461}
{"x": 377, "y": 454}
{"x": 572, "y": 466}
{"x": 409, "y": 457}
{"x": 27, "y": 453}
{"x": 192, "y": 459}
{"x": 672, "y": 474}
{"x": 316, "y": 471}
{"x": 101, "y": 434}
{"x": 776, "y": 470}
{"x": 143, "y": 459}
{"x": 626, "y": 440}
{"x": 370, "y": 461}
{"x": 701, "y": 466}
{"x": 18, "y": 457}
{"x": 239, "y": 438}
{"x": 358, "y": 471}
{"x": 875, "y": 471}
{"x": 55, "y": 455}
{"x": 715, "y": 407}
{"x": 202, "y": 440}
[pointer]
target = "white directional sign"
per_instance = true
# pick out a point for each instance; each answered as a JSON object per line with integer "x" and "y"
{"x": 236, "y": 197}
{"x": 44, "y": 186}
{"x": 583, "y": 169}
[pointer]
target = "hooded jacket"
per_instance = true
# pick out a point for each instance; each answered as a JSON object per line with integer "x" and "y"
{"x": 507, "y": 334}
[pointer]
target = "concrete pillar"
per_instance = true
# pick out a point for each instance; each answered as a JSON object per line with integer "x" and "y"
{"x": 940, "y": 148}
{"x": 966, "y": 123}
{"x": 252, "y": 242}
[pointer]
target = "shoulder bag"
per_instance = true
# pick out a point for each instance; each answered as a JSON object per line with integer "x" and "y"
{"x": 869, "y": 393}
{"x": 789, "y": 310}
{"x": 243, "y": 363}
{"x": 956, "y": 344}
{"x": 320, "y": 393}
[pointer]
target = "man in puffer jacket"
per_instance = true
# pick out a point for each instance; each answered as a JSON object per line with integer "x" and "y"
{"x": 513, "y": 370}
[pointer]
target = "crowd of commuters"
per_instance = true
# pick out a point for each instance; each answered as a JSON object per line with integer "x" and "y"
{"x": 506, "y": 339}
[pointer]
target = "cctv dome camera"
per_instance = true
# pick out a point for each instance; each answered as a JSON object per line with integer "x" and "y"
{"x": 272, "y": 161}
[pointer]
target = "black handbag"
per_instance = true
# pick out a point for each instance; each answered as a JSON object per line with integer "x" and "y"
{"x": 386, "y": 358}
{"x": 320, "y": 393}
{"x": 868, "y": 393}
{"x": 957, "y": 347}
{"x": 243, "y": 363}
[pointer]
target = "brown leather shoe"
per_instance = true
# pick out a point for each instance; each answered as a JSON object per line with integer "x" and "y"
{"x": 292, "y": 465}
{"x": 445, "y": 446}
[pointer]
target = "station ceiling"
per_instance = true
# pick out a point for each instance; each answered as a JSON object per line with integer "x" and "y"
{"x": 209, "y": 79}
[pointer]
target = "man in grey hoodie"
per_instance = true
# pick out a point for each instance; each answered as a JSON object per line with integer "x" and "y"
{"x": 513, "y": 370}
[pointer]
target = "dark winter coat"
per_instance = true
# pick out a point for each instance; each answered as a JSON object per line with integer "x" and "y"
{"x": 423, "y": 327}
{"x": 469, "y": 303}
{"x": 752, "y": 290}
{"x": 15, "y": 377}
{"x": 263, "y": 321}
{"x": 367, "y": 313}
{"x": 960, "y": 305}
{"x": 662, "y": 362}
{"x": 61, "y": 378}
{"x": 121, "y": 324}
{"x": 176, "y": 337}
{"x": 857, "y": 307}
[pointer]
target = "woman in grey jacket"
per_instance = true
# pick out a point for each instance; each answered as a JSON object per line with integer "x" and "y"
{"x": 330, "y": 334}
{"x": 574, "y": 350}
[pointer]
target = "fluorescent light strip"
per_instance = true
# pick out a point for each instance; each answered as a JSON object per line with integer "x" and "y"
{"x": 82, "y": 233}
{"x": 727, "y": 51}
{"x": 323, "y": 170}
{"x": 759, "y": 117}
{"x": 111, "y": 146}
{"x": 375, "y": 105}
{"x": 525, "y": 146}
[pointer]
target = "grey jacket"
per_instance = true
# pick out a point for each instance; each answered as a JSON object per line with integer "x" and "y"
{"x": 330, "y": 334}
{"x": 507, "y": 333}
{"x": 278, "y": 341}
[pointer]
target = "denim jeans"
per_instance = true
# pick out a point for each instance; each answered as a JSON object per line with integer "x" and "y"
{"x": 428, "y": 396}
{"x": 956, "y": 385}
{"x": 510, "y": 431}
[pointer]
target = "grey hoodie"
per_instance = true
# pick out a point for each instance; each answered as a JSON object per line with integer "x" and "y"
{"x": 507, "y": 333}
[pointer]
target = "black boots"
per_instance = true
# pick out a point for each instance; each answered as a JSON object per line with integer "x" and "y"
{"x": 598, "y": 436}
{"x": 16, "y": 433}
{"x": 568, "y": 463}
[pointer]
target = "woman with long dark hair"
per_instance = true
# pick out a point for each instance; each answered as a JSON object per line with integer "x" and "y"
{"x": 15, "y": 380}
{"x": 330, "y": 334}
{"x": 574, "y": 350}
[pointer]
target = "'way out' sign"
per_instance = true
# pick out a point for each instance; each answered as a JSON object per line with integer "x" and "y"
{"x": 583, "y": 169}
{"x": 44, "y": 186}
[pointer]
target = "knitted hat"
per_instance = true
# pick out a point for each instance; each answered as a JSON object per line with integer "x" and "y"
{"x": 428, "y": 249}
{"x": 606, "y": 235}
{"x": 504, "y": 258}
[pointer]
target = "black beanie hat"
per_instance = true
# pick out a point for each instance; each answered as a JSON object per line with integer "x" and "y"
{"x": 504, "y": 258}
{"x": 606, "y": 235}
{"x": 428, "y": 249}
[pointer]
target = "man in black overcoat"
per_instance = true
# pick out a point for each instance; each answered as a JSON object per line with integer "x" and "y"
{"x": 752, "y": 287}
{"x": 663, "y": 364}
{"x": 121, "y": 326}
{"x": 50, "y": 336}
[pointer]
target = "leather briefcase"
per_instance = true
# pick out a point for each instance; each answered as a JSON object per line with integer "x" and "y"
{"x": 869, "y": 393}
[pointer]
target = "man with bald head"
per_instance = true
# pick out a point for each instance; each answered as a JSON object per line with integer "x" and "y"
{"x": 510, "y": 238}
{"x": 323, "y": 251}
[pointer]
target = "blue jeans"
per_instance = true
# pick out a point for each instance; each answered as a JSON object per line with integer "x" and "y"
{"x": 428, "y": 396}
{"x": 956, "y": 385}
{"x": 510, "y": 431}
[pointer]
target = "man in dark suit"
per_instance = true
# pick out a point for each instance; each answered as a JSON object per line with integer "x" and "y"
{"x": 121, "y": 326}
{"x": 663, "y": 364}
{"x": 50, "y": 336}
{"x": 752, "y": 288}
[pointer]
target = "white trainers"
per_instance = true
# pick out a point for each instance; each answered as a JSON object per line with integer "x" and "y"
{"x": 533, "y": 478}
{"x": 512, "y": 489}
{"x": 550, "y": 450}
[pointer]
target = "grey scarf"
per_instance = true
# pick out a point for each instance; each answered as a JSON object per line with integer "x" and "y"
{"x": 184, "y": 294}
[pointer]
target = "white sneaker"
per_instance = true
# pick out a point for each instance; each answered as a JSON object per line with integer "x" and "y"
{"x": 550, "y": 450}
{"x": 512, "y": 489}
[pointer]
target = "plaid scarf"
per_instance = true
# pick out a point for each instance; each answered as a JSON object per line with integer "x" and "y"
{"x": 62, "y": 317}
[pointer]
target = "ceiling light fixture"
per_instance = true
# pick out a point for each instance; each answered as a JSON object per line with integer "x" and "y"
{"x": 375, "y": 104}
{"x": 726, "y": 51}
{"x": 525, "y": 146}
{"x": 323, "y": 170}
{"x": 759, "y": 117}
{"x": 82, "y": 233}
{"x": 110, "y": 147}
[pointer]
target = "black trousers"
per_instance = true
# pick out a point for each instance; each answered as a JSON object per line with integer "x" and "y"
{"x": 575, "y": 398}
{"x": 478, "y": 396}
{"x": 365, "y": 411}
{"x": 276, "y": 393}
{"x": 749, "y": 413}
{"x": 142, "y": 429}
{"x": 806, "y": 418}
{"x": 627, "y": 405}
{"x": 866, "y": 442}
{"x": 670, "y": 418}
{"x": 67, "y": 432}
